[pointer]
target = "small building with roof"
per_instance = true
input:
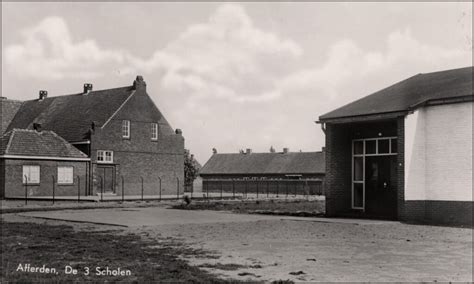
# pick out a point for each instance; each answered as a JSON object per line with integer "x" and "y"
{"x": 273, "y": 171}
{"x": 36, "y": 162}
{"x": 404, "y": 152}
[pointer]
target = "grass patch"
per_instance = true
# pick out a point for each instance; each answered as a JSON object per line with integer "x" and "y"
{"x": 58, "y": 246}
{"x": 275, "y": 207}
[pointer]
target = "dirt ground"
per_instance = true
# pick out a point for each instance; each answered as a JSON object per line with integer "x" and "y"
{"x": 261, "y": 247}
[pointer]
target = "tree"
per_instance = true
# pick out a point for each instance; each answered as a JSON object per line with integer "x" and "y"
{"x": 191, "y": 168}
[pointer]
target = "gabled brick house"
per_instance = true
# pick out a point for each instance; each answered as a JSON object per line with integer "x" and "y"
{"x": 120, "y": 130}
{"x": 404, "y": 152}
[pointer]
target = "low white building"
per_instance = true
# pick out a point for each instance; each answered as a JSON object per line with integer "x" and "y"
{"x": 404, "y": 152}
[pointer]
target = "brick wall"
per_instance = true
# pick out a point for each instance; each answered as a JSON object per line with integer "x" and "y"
{"x": 401, "y": 168}
{"x": 138, "y": 156}
{"x": 338, "y": 169}
{"x": 339, "y": 158}
{"x": 14, "y": 178}
{"x": 459, "y": 213}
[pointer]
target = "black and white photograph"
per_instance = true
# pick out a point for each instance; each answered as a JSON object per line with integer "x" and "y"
{"x": 236, "y": 142}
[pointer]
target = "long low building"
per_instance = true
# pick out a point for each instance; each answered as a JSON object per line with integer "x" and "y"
{"x": 273, "y": 171}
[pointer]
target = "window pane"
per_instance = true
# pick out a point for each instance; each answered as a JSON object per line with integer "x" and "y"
{"x": 384, "y": 146}
{"x": 394, "y": 146}
{"x": 358, "y": 168}
{"x": 126, "y": 128}
{"x": 358, "y": 195}
{"x": 370, "y": 146}
{"x": 65, "y": 175}
{"x": 358, "y": 147}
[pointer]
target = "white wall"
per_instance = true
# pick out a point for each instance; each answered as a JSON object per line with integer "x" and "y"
{"x": 438, "y": 153}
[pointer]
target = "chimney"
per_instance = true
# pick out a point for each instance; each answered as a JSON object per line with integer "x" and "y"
{"x": 178, "y": 131}
{"x": 87, "y": 88}
{"x": 248, "y": 151}
{"x": 37, "y": 126}
{"x": 43, "y": 95}
{"x": 214, "y": 151}
{"x": 139, "y": 83}
{"x": 286, "y": 150}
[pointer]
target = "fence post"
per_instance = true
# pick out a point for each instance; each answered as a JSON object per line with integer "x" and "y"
{"x": 287, "y": 188}
{"x": 296, "y": 187}
{"x": 26, "y": 190}
{"x": 278, "y": 187}
{"x": 160, "y": 187}
{"x": 123, "y": 190}
{"x": 54, "y": 185}
{"x": 101, "y": 189}
{"x": 177, "y": 189}
{"x": 78, "y": 189}
{"x": 222, "y": 184}
{"x": 233, "y": 189}
{"x": 246, "y": 187}
{"x": 141, "y": 178}
{"x": 257, "y": 188}
{"x": 267, "y": 188}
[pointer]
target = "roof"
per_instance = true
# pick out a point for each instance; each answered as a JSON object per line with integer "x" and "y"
{"x": 410, "y": 93}
{"x": 8, "y": 110}
{"x": 266, "y": 163}
{"x": 24, "y": 142}
{"x": 71, "y": 116}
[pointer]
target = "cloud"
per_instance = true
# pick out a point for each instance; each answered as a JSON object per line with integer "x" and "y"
{"x": 230, "y": 84}
{"x": 49, "y": 52}
{"x": 226, "y": 57}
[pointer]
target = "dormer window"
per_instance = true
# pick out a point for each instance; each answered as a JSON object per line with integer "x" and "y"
{"x": 126, "y": 129}
{"x": 154, "y": 131}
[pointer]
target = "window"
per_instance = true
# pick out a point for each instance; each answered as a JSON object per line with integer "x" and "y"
{"x": 65, "y": 175}
{"x": 154, "y": 131}
{"x": 125, "y": 128}
{"x": 105, "y": 156}
{"x": 31, "y": 174}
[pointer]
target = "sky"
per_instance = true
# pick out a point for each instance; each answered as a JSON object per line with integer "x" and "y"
{"x": 232, "y": 75}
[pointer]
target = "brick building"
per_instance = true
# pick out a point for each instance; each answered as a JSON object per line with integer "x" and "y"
{"x": 404, "y": 152}
{"x": 39, "y": 162}
{"x": 121, "y": 132}
{"x": 257, "y": 171}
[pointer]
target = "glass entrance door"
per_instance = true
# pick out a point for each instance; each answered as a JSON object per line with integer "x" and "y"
{"x": 366, "y": 166}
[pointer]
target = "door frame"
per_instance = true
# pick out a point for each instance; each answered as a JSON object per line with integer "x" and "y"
{"x": 363, "y": 155}
{"x": 104, "y": 166}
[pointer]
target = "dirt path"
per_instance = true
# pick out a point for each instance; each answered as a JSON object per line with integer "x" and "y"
{"x": 302, "y": 249}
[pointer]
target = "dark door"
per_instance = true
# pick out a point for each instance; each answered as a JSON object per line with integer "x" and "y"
{"x": 381, "y": 187}
{"x": 106, "y": 179}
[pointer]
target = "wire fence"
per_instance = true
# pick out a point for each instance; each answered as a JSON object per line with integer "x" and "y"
{"x": 124, "y": 188}
{"x": 263, "y": 187}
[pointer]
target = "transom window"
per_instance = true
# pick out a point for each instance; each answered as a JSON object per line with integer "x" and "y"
{"x": 105, "y": 156}
{"x": 31, "y": 174}
{"x": 126, "y": 128}
{"x": 65, "y": 175}
{"x": 154, "y": 131}
{"x": 375, "y": 146}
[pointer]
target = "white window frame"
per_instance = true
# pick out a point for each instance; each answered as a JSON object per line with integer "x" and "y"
{"x": 27, "y": 174}
{"x": 363, "y": 155}
{"x": 154, "y": 131}
{"x": 102, "y": 156}
{"x": 63, "y": 175}
{"x": 126, "y": 129}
